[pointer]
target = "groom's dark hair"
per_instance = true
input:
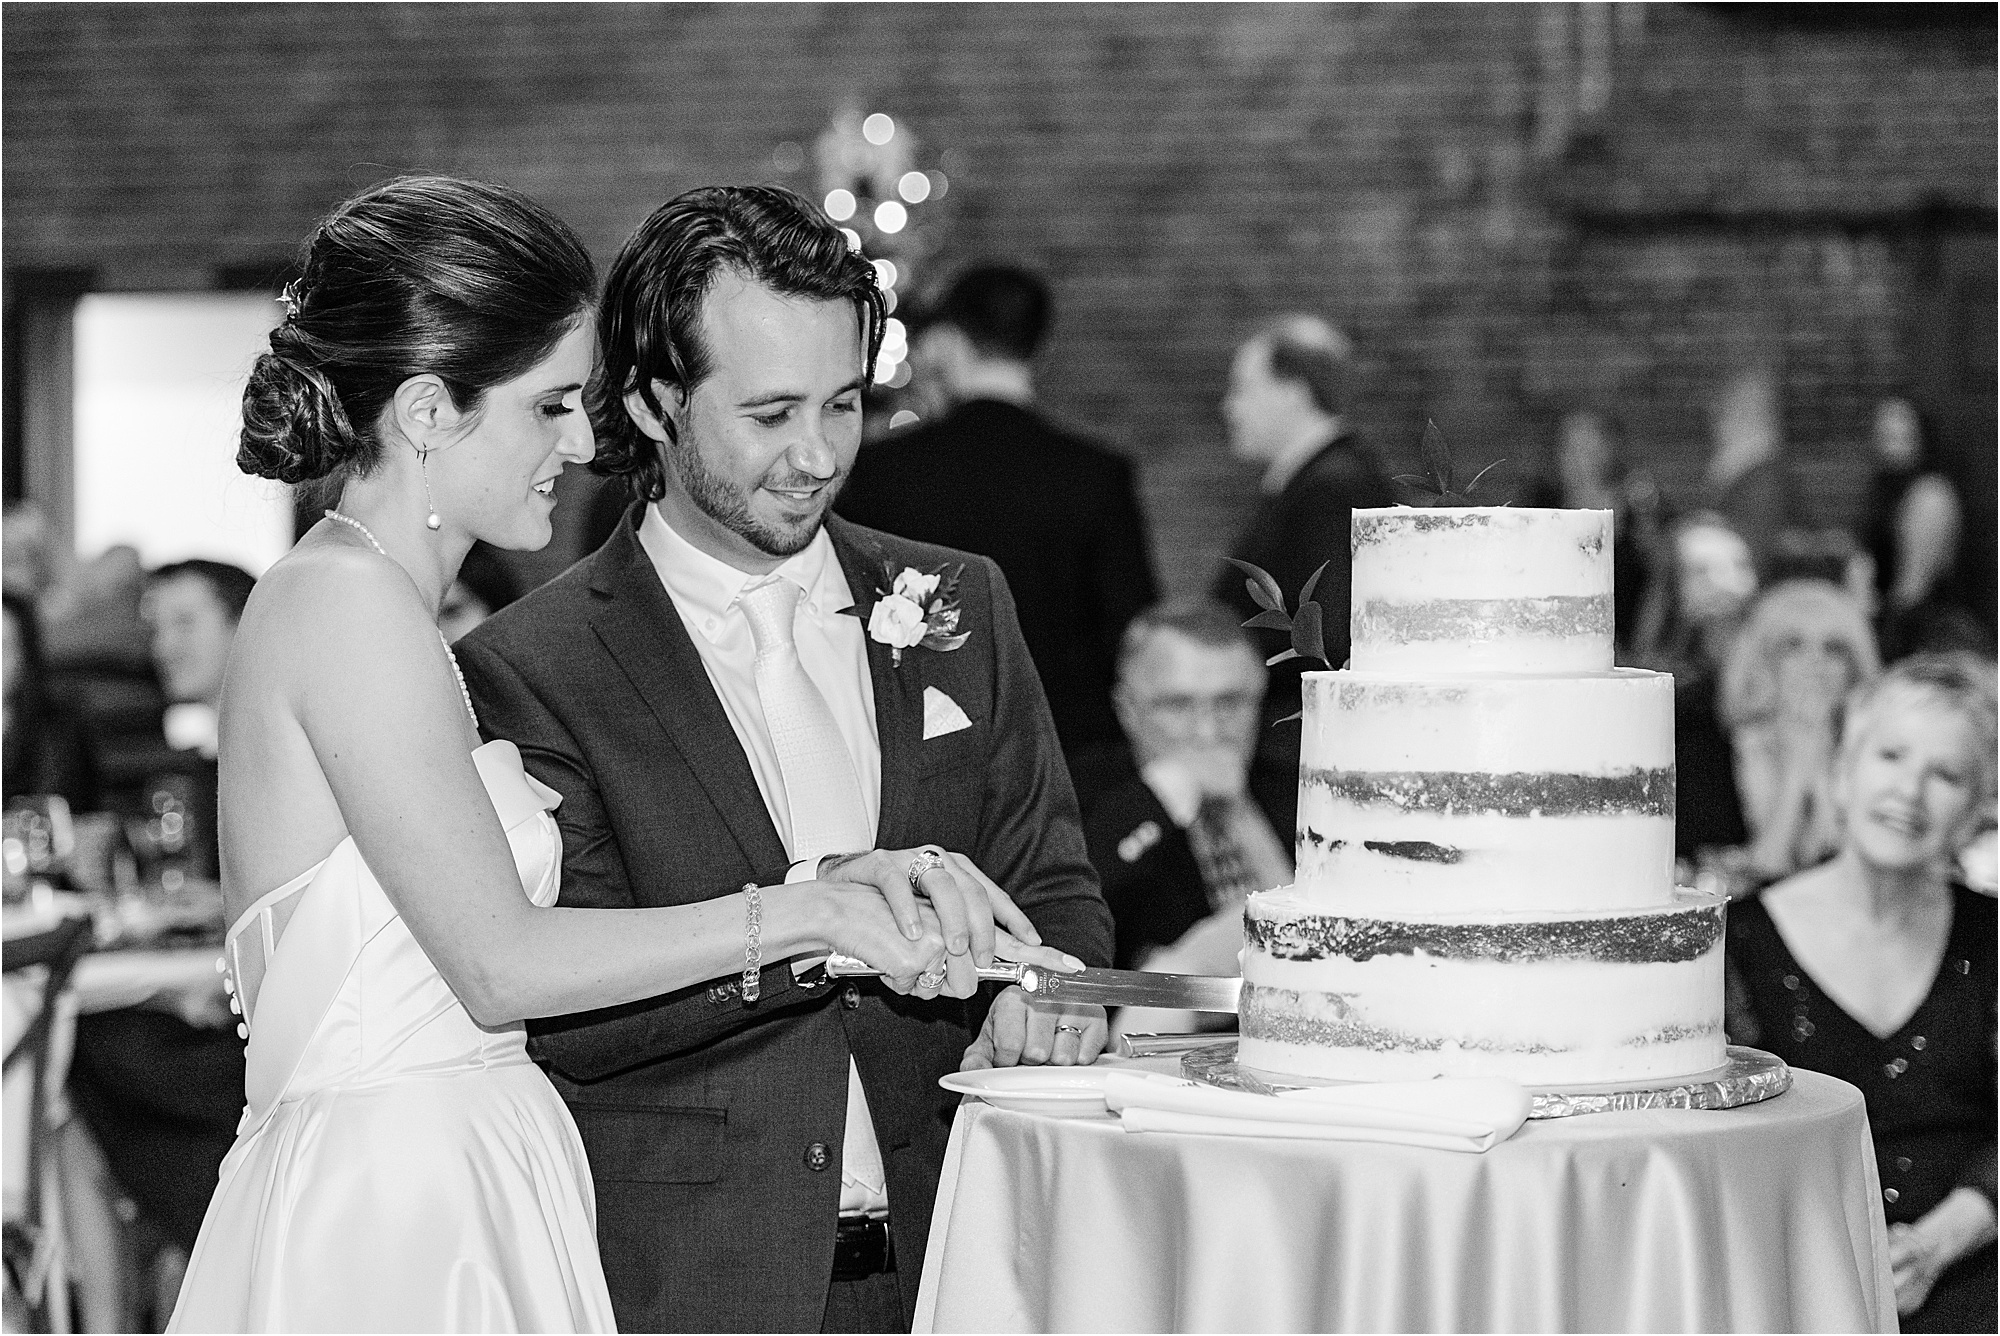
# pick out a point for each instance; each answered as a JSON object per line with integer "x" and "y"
{"x": 649, "y": 321}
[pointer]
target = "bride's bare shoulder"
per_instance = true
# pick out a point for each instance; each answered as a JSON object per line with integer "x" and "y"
{"x": 318, "y": 589}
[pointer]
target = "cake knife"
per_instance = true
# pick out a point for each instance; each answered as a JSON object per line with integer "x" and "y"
{"x": 1105, "y": 988}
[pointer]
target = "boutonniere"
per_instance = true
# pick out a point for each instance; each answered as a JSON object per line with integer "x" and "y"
{"x": 914, "y": 607}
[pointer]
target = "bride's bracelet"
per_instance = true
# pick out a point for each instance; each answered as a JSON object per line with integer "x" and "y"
{"x": 753, "y": 940}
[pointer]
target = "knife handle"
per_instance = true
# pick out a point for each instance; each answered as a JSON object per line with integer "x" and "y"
{"x": 839, "y": 966}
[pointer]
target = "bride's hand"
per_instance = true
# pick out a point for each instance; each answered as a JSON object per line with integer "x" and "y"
{"x": 1010, "y": 947}
{"x": 972, "y": 911}
{"x": 857, "y": 921}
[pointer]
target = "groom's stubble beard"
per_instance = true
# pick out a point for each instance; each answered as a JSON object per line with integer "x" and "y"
{"x": 715, "y": 497}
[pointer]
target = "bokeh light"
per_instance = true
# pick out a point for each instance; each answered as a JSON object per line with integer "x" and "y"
{"x": 878, "y": 129}
{"x": 840, "y": 205}
{"x": 853, "y": 238}
{"x": 914, "y": 187}
{"x": 886, "y": 273}
{"x": 890, "y": 216}
{"x": 903, "y": 417}
{"x": 939, "y": 184}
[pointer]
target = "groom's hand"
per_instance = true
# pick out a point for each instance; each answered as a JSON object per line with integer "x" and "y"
{"x": 1026, "y": 1031}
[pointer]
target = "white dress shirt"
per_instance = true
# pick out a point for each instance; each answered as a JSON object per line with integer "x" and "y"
{"x": 833, "y": 649}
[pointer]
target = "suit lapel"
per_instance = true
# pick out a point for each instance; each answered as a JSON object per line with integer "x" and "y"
{"x": 899, "y": 692}
{"x": 643, "y": 631}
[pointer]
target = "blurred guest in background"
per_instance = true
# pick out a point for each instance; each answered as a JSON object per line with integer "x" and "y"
{"x": 483, "y": 587}
{"x": 1179, "y": 844}
{"x": 192, "y": 608}
{"x": 44, "y": 748}
{"x": 1914, "y": 524}
{"x": 1746, "y": 480}
{"x": 996, "y": 476}
{"x": 1287, "y": 391}
{"x": 1592, "y": 472}
{"x": 1803, "y": 648}
{"x": 162, "y": 1087}
{"x": 1878, "y": 969}
{"x": 1178, "y": 840}
{"x": 1687, "y": 621}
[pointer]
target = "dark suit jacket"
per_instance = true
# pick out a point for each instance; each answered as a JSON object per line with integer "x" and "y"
{"x": 1151, "y": 879}
{"x": 1290, "y": 534}
{"x": 1058, "y": 514}
{"x": 714, "y": 1128}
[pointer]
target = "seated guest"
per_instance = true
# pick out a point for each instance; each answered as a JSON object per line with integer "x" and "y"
{"x": 163, "y": 1090}
{"x": 44, "y": 749}
{"x": 1179, "y": 841}
{"x": 1803, "y": 648}
{"x": 1878, "y": 968}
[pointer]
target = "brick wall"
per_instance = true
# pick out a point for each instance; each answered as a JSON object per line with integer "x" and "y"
{"x": 1511, "y": 208}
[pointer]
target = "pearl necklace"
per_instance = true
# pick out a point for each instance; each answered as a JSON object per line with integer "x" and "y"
{"x": 464, "y": 693}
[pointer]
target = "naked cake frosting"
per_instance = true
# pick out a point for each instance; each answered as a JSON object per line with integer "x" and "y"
{"x": 1486, "y": 829}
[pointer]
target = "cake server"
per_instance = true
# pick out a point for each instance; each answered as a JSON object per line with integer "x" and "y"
{"x": 1105, "y": 988}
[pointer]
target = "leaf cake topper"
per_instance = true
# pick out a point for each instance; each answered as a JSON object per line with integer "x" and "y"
{"x": 1438, "y": 481}
{"x": 1306, "y": 627}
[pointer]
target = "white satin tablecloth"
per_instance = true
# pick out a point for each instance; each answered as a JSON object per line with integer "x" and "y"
{"x": 1763, "y": 1218}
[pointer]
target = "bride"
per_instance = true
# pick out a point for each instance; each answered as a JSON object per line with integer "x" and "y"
{"x": 401, "y": 1164}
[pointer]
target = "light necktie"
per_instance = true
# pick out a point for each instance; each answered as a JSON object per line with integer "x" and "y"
{"x": 822, "y": 791}
{"x": 823, "y": 795}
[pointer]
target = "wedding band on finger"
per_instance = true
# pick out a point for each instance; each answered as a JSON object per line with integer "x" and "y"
{"x": 932, "y": 977}
{"x": 1069, "y": 1029}
{"x": 929, "y": 860}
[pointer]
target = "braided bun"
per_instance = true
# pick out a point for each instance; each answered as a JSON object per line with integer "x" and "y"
{"x": 294, "y": 429}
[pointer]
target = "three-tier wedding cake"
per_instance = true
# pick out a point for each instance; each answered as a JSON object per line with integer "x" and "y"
{"x": 1486, "y": 829}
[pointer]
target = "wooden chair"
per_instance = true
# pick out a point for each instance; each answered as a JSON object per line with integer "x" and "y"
{"x": 36, "y": 1276}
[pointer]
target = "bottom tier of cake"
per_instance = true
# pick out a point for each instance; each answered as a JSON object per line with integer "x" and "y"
{"x": 1548, "y": 999}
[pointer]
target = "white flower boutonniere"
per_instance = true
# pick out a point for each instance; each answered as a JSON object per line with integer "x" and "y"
{"x": 915, "y": 608}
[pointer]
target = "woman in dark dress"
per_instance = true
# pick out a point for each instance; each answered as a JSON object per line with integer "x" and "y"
{"x": 1877, "y": 968}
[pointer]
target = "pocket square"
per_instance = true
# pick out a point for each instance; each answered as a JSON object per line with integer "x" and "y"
{"x": 942, "y": 715}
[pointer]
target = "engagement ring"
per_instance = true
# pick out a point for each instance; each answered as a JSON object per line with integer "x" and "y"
{"x": 932, "y": 977}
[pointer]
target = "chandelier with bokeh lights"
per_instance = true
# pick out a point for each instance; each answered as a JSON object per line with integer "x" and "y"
{"x": 867, "y": 180}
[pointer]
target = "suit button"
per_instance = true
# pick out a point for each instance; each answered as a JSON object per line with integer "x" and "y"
{"x": 1890, "y": 1195}
{"x": 850, "y": 997}
{"x": 818, "y": 1157}
{"x": 1904, "y": 1163}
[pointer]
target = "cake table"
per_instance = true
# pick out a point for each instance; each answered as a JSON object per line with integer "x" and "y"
{"x": 1762, "y": 1218}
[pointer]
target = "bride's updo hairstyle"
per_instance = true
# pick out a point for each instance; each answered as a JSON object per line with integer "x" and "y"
{"x": 470, "y": 282}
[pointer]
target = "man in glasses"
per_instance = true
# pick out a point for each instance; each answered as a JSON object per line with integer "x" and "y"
{"x": 1179, "y": 844}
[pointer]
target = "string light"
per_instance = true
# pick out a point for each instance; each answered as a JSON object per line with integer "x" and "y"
{"x": 840, "y": 205}
{"x": 890, "y": 216}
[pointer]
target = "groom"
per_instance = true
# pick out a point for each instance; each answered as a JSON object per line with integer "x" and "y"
{"x": 771, "y": 1165}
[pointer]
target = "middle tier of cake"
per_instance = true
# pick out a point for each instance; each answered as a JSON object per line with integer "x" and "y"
{"x": 1488, "y": 793}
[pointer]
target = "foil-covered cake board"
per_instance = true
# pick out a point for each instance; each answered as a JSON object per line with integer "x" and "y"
{"x": 1750, "y": 1076}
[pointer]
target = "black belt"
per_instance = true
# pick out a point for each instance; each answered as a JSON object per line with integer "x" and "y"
{"x": 862, "y": 1248}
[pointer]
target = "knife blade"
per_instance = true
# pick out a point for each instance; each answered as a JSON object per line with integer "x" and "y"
{"x": 1104, "y": 988}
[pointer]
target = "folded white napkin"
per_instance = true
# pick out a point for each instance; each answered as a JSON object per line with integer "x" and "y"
{"x": 1450, "y": 1113}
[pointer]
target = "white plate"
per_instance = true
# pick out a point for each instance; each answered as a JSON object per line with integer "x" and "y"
{"x": 1057, "y": 1092}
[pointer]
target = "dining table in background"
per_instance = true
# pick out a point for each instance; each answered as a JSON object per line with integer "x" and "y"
{"x": 1765, "y": 1217}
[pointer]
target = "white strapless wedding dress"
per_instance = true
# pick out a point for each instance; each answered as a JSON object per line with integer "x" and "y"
{"x": 399, "y": 1167}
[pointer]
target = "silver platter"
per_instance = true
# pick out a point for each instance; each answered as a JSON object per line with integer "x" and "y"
{"x": 1749, "y": 1077}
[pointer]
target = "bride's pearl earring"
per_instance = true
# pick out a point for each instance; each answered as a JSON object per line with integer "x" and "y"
{"x": 432, "y": 520}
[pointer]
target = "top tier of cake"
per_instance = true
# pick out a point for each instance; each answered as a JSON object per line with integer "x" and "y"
{"x": 1481, "y": 589}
